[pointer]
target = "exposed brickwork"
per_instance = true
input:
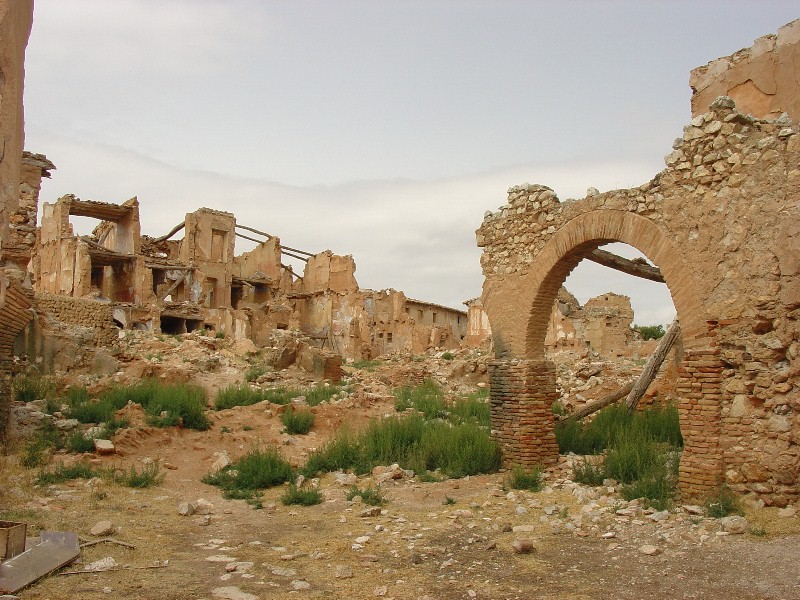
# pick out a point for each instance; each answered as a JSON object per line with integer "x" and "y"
{"x": 15, "y": 304}
{"x": 721, "y": 223}
{"x": 700, "y": 391}
{"x": 522, "y": 395}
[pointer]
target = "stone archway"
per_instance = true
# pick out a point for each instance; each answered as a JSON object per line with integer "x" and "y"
{"x": 720, "y": 223}
{"x": 523, "y": 389}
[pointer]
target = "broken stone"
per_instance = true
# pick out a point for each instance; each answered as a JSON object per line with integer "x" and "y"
{"x": 102, "y": 529}
{"x": 103, "y": 446}
{"x": 186, "y": 509}
{"x": 649, "y": 550}
{"x": 522, "y": 546}
{"x": 734, "y": 524}
{"x": 343, "y": 572}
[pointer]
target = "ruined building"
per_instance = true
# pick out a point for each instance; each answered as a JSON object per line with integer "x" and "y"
{"x": 722, "y": 223}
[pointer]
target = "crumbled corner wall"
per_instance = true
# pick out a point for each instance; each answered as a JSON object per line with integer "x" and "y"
{"x": 762, "y": 79}
{"x": 16, "y": 18}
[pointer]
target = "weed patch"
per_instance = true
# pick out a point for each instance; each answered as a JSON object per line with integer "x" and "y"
{"x": 297, "y": 422}
{"x": 149, "y": 476}
{"x": 256, "y": 470}
{"x": 62, "y": 473}
{"x": 301, "y": 496}
{"x": 723, "y": 502}
{"x": 526, "y": 479}
{"x": 370, "y": 495}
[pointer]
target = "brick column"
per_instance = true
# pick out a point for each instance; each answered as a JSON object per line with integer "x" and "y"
{"x": 522, "y": 393}
{"x": 699, "y": 388}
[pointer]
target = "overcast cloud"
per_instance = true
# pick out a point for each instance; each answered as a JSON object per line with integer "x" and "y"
{"x": 379, "y": 129}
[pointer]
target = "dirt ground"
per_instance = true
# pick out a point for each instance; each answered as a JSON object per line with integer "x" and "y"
{"x": 442, "y": 540}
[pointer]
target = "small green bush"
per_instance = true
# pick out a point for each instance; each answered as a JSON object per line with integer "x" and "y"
{"x": 474, "y": 408}
{"x": 77, "y": 442}
{"x": 256, "y": 470}
{"x": 297, "y": 422}
{"x": 526, "y": 479}
{"x": 448, "y": 356}
{"x": 631, "y": 457}
{"x": 301, "y": 496}
{"x": 62, "y": 473}
{"x": 650, "y": 332}
{"x": 427, "y": 398}
{"x": 149, "y": 476}
{"x": 588, "y": 473}
{"x": 254, "y": 372}
{"x": 723, "y": 502}
{"x": 369, "y": 495}
{"x": 36, "y": 450}
{"x": 178, "y": 404}
{"x": 27, "y": 388}
{"x": 320, "y": 393}
{"x": 244, "y": 395}
{"x": 413, "y": 443}
{"x": 558, "y": 408}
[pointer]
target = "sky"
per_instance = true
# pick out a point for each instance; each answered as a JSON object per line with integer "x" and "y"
{"x": 382, "y": 129}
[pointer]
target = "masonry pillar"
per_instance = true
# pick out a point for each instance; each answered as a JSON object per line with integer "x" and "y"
{"x": 700, "y": 390}
{"x": 522, "y": 393}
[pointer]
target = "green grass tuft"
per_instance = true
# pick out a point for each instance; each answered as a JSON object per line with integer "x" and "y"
{"x": 27, "y": 388}
{"x": 297, "y": 422}
{"x": 526, "y": 479}
{"x": 723, "y": 502}
{"x": 256, "y": 470}
{"x": 369, "y": 495}
{"x": 301, "y": 496}
{"x": 62, "y": 473}
{"x": 149, "y": 476}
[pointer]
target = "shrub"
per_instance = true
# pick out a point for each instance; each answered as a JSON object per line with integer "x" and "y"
{"x": 297, "y": 421}
{"x": 558, "y": 408}
{"x": 650, "y": 332}
{"x": 77, "y": 442}
{"x": 632, "y": 456}
{"x": 448, "y": 356}
{"x": 588, "y": 473}
{"x": 526, "y": 479}
{"x": 370, "y": 495}
{"x": 149, "y": 476}
{"x": 244, "y": 395}
{"x": 301, "y": 496}
{"x": 723, "y": 502}
{"x": 35, "y": 452}
{"x": 256, "y": 470}
{"x": 254, "y": 372}
{"x": 62, "y": 473}
{"x": 427, "y": 398}
{"x": 27, "y": 388}
{"x": 320, "y": 393}
{"x": 413, "y": 443}
{"x": 474, "y": 408}
{"x": 178, "y": 404}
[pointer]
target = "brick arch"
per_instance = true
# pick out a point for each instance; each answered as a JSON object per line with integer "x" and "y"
{"x": 586, "y": 232}
{"x": 523, "y": 384}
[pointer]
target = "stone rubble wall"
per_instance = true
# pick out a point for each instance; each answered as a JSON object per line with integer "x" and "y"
{"x": 722, "y": 224}
{"x": 64, "y": 313}
{"x": 762, "y": 79}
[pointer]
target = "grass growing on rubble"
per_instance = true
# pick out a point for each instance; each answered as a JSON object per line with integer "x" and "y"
{"x": 30, "y": 387}
{"x": 428, "y": 398}
{"x": 414, "y": 443}
{"x": 526, "y": 479}
{"x": 244, "y": 395}
{"x": 641, "y": 450}
{"x": 297, "y": 422}
{"x": 167, "y": 405}
{"x": 149, "y": 476}
{"x": 255, "y": 471}
{"x": 301, "y": 496}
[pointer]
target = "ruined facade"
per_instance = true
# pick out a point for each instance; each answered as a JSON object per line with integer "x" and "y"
{"x": 178, "y": 285}
{"x": 721, "y": 223}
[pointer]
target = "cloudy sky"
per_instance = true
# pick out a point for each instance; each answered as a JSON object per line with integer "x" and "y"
{"x": 378, "y": 128}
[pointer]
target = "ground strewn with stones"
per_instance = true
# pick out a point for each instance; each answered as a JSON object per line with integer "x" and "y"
{"x": 465, "y": 538}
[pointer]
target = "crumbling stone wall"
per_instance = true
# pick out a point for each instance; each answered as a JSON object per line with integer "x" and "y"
{"x": 762, "y": 79}
{"x": 64, "y": 312}
{"x": 721, "y": 223}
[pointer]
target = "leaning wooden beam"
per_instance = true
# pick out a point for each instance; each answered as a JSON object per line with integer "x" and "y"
{"x": 266, "y": 235}
{"x": 296, "y": 250}
{"x": 593, "y": 407}
{"x": 297, "y": 256}
{"x": 174, "y": 230}
{"x": 171, "y": 288}
{"x": 653, "y": 365}
{"x": 243, "y": 236}
{"x": 607, "y": 259}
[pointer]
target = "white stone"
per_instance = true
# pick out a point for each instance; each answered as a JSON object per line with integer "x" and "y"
{"x": 102, "y": 528}
{"x": 649, "y": 550}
